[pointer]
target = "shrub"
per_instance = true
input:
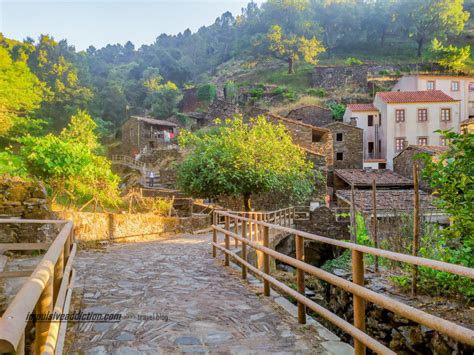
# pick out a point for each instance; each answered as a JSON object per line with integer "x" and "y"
{"x": 318, "y": 92}
{"x": 206, "y": 92}
{"x": 353, "y": 61}
{"x": 337, "y": 110}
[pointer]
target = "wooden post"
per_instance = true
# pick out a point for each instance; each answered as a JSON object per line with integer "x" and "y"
{"x": 266, "y": 261}
{"x": 111, "y": 220}
{"x": 358, "y": 302}
{"x": 416, "y": 227}
{"x": 353, "y": 217}
{"x": 214, "y": 234}
{"x": 375, "y": 223}
{"x": 244, "y": 250}
{"x": 58, "y": 276}
{"x": 300, "y": 278}
{"x": 236, "y": 231}
{"x": 43, "y": 307}
{"x": 227, "y": 240}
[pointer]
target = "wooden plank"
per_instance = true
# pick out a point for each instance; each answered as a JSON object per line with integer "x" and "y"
{"x": 24, "y": 246}
{"x": 40, "y": 221}
{"x": 20, "y": 273}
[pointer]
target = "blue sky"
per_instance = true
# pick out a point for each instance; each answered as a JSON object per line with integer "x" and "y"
{"x": 102, "y": 22}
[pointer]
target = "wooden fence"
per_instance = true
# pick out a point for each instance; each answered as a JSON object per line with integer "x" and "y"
{"x": 258, "y": 238}
{"x": 47, "y": 290}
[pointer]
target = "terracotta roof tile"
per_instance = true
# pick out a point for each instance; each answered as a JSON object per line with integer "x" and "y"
{"x": 393, "y": 97}
{"x": 361, "y": 107}
{"x": 364, "y": 177}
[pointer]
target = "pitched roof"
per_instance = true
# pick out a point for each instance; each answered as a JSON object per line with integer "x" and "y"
{"x": 386, "y": 199}
{"x": 309, "y": 106}
{"x": 469, "y": 121}
{"x": 394, "y": 97}
{"x": 365, "y": 177}
{"x": 361, "y": 107}
{"x": 155, "y": 121}
{"x": 289, "y": 120}
{"x": 339, "y": 123}
{"x": 430, "y": 149}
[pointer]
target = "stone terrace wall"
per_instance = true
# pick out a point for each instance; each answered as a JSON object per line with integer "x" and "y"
{"x": 94, "y": 227}
{"x": 25, "y": 200}
{"x": 332, "y": 77}
{"x": 313, "y": 115}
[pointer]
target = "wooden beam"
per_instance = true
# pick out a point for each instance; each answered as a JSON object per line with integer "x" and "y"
{"x": 24, "y": 246}
{"x": 20, "y": 273}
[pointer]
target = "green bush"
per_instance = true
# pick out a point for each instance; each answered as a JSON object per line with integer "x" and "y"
{"x": 353, "y": 61}
{"x": 337, "y": 110}
{"x": 318, "y": 92}
{"x": 206, "y": 92}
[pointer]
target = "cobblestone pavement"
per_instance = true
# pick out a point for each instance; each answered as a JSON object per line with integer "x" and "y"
{"x": 204, "y": 307}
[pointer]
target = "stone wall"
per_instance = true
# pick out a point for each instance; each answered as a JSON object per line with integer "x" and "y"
{"x": 314, "y": 115}
{"x": 221, "y": 109}
{"x": 332, "y": 77}
{"x": 399, "y": 334}
{"x": 127, "y": 227}
{"x": 403, "y": 165}
{"x": 25, "y": 200}
{"x": 322, "y": 222}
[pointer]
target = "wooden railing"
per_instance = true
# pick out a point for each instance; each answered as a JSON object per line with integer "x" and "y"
{"x": 283, "y": 217}
{"x": 129, "y": 161}
{"x": 47, "y": 290}
{"x": 258, "y": 238}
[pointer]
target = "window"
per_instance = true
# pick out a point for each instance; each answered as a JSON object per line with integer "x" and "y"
{"x": 380, "y": 146}
{"x": 131, "y": 132}
{"x": 422, "y": 140}
{"x": 430, "y": 85}
{"x": 339, "y": 156}
{"x": 422, "y": 114}
{"x": 339, "y": 137}
{"x": 371, "y": 147}
{"x": 370, "y": 120}
{"x": 443, "y": 141}
{"x": 445, "y": 114}
{"x": 399, "y": 115}
{"x": 454, "y": 85}
{"x": 399, "y": 144}
{"x": 380, "y": 119}
{"x": 471, "y": 86}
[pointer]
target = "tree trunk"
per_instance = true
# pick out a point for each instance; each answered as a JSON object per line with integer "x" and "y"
{"x": 247, "y": 202}
{"x": 290, "y": 66}
{"x": 420, "y": 46}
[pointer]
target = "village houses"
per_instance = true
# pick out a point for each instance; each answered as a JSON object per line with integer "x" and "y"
{"x": 458, "y": 87}
{"x": 398, "y": 118}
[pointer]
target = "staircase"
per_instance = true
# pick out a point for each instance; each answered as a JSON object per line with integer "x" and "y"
{"x": 135, "y": 164}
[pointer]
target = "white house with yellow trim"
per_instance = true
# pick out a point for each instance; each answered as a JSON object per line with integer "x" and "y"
{"x": 398, "y": 118}
{"x": 458, "y": 87}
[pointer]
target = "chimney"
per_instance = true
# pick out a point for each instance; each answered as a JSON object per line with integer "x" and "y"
{"x": 354, "y": 121}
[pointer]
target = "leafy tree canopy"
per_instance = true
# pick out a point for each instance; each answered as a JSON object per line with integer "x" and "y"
{"x": 20, "y": 92}
{"x": 450, "y": 57}
{"x": 68, "y": 165}
{"x": 239, "y": 159}
{"x": 292, "y": 48}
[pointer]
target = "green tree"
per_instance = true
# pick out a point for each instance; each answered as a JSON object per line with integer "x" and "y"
{"x": 450, "y": 57}
{"x": 292, "y": 48}
{"x": 239, "y": 159}
{"x": 68, "y": 164}
{"x": 162, "y": 99}
{"x": 426, "y": 19}
{"x": 450, "y": 176}
{"x": 20, "y": 93}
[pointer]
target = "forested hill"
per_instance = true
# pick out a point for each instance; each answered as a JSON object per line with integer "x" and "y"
{"x": 54, "y": 80}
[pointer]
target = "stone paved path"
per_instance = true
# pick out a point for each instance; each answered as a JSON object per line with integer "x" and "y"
{"x": 209, "y": 308}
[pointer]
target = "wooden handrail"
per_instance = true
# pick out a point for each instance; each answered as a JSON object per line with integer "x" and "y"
{"x": 356, "y": 287}
{"x": 44, "y": 289}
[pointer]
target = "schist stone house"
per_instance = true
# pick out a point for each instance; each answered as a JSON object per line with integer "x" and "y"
{"x": 398, "y": 118}
{"x": 143, "y": 134}
{"x": 403, "y": 161}
{"x": 458, "y": 87}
